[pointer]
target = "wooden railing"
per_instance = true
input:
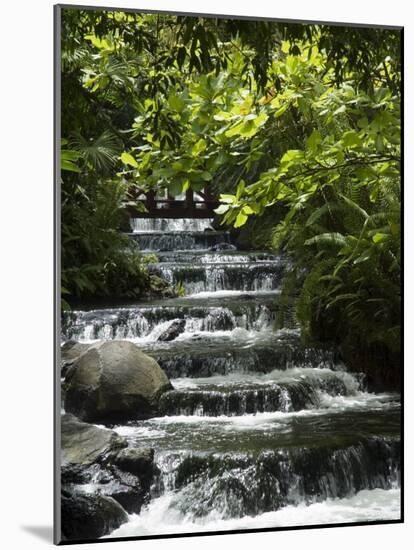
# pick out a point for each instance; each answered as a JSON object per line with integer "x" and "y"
{"x": 170, "y": 207}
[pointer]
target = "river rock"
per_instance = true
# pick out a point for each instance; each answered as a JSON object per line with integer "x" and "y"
{"x": 222, "y": 246}
{"x": 160, "y": 287}
{"x": 139, "y": 462}
{"x": 69, "y": 352}
{"x": 83, "y": 444}
{"x": 87, "y": 516}
{"x": 175, "y": 329}
{"x": 220, "y": 319}
{"x": 123, "y": 487}
{"x": 98, "y": 456}
{"x": 114, "y": 381}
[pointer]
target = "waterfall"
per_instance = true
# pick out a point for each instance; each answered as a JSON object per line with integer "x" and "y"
{"x": 260, "y": 429}
{"x": 151, "y": 225}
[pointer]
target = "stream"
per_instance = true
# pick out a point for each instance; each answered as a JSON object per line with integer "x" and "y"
{"x": 260, "y": 430}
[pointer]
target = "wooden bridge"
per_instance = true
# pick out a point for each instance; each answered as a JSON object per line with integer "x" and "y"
{"x": 171, "y": 207}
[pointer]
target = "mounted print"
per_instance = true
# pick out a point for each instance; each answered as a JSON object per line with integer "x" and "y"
{"x": 228, "y": 259}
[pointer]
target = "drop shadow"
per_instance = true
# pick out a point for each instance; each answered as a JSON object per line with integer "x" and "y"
{"x": 44, "y": 533}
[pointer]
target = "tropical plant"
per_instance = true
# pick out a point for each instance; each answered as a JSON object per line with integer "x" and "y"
{"x": 296, "y": 126}
{"x": 339, "y": 189}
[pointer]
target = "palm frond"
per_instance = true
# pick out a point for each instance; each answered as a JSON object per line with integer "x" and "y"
{"x": 100, "y": 153}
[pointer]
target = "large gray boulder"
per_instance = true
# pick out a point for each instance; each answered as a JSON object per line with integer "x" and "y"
{"x": 69, "y": 352}
{"x": 114, "y": 381}
{"x": 84, "y": 444}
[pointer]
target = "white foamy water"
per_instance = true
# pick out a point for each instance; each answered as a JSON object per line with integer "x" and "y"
{"x": 259, "y": 421}
{"x": 160, "y": 517}
{"x": 361, "y": 400}
{"x": 296, "y": 374}
{"x": 152, "y": 225}
{"x": 192, "y": 332}
{"x": 231, "y": 293}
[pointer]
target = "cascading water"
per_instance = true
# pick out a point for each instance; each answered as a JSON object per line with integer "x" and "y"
{"x": 151, "y": 225}
{"x": 259, "y": 430}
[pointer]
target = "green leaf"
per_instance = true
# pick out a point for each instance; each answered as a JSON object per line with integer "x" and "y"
{"x": 282, "y": 109}
{"x": 355, "y": 206}
{"x": 291, "y": 156}
{"x": 240, "y": 189}
{"x": 335, "y": 239}
{"x": 363, "y": 258}
{"x": 128, "y": 159}
{"x": 292, "y": 64}
{"x": 319, "y": 212}
{"x": 199, "y": 147}
{"x": 100, "y": 43}
{"x": 351, "y": 139}
{"x": 206, "y": 176}
{"x": 241, "y": 219}
{"x": 174, "y": 188}
{"x": 177, "y": 166}
{"x": 228, "y": 199}
{"x": 69, "y": 166}
{"x": 247, "y": 210}
{"x": 314, "y": 140}
{"x": 381, "y": 237}
{"x": 340, "y": 110}
{"x": 222, "y": 209}
{"x": 249, "y": 126}
{"x": 363, "y": 122}
{"x": 69, "y": 154}
{"x": 222, "y": 115}
{"x": 342, "y": 297}
{"x": 260, "y": 119}
{"x": 234, "y": 130}
{"x": 176, "y": 103}
{"x": 379, "y": 143}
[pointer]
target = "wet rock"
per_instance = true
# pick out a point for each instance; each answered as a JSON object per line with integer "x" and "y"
{"x": 222, "y": 246}
{"x": 84, "y": 444}
{"x": 87, "y": 516}
{"x": 175, "y": 329}
{"x": 114, "y": 381}
{"x": 159, "y": 286}
{"x": 220, "y": 319}
{"x": 139, "y": 462}
{"x": 75, "y": 474}
{"x": 125, "y": 488}
{"x": 98, "y": 457}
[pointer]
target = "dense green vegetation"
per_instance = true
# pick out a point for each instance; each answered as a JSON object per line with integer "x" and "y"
{"x": 299, "y": 121}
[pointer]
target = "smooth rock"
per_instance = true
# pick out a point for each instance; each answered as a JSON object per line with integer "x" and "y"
{"x": 85, "y": 444}
{"x": 114, "y": 381}
{"x": 69, "y": 352}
